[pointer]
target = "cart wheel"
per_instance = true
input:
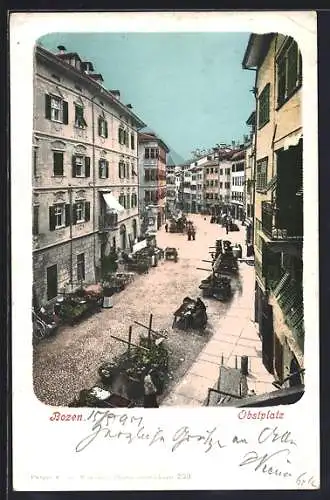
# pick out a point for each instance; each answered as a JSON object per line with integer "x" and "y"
{"x": 39, "y": 330}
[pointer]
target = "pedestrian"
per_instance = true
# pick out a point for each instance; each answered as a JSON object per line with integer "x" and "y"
{"x": 150, "y": 393}
{"x": 193, "y": 233}
{"x": 227, "y": 227}
{"x": 189, "y": 234}
{"x": 166, "y": 227}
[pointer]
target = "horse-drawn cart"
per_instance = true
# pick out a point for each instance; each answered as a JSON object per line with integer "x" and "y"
{"x": 171, "y": 253}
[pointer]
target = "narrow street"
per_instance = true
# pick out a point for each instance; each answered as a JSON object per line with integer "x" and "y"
{"x": 68, "y": 362}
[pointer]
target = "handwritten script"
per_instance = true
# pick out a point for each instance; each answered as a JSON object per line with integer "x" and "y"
{"x": 270, "y": 452}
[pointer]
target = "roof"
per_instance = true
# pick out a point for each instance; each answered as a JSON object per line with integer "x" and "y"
{"x": 68, "y": 55}
{"x": 59, "y": 60}
{"x": 256, "y": 50}
{"x": 151, "y": 136}
{"x": 238, "y": 155}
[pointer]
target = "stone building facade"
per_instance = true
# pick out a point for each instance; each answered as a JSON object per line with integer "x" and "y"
{"x": 84, "y": 151}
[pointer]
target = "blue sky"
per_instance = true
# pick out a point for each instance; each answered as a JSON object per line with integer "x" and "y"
{"x": 189, "y": 88}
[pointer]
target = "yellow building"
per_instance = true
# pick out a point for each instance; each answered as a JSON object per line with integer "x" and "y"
{"x": 278, "y": 197}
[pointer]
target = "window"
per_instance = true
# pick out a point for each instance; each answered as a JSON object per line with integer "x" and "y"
{"x": 103, "y": 169}
{"x": 132, "y": 141}
{"x": 128, "y": 200}
{"x": 261, "y": 181}
{"x": 134, "y": 200}
{"x": 220, "y": 185}
{"x": 79, "y": 120}
{"x": 212, "y": 170}
{"x": 289, "y": 71}
{"x": 58, "y": 163}
{"x": 57, "y": 216}
{"x": 207, "y": 170}
{"x": 263, "y": 116}
{"x": 221, "y": 171}
{"x": 81, "y": 267}
{"x": 56, "y": 109}
{"x": 122, "y": 200}
{"x": 35, "y": 226}
{"x": 146, "y": 153}
{"x": 35, "y": 162}
{"x": 121, "y": 135}
{"x": 216, "y": 170}
{"x": 102, "y": 127}
{"x": 80, "y": 166}
{"x": 121, "y": 169}
{"x": 228, "y": 171}
{"x": 80, "y": 212}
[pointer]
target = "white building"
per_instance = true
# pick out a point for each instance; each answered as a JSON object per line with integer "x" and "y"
{"x": 237, "y": 184}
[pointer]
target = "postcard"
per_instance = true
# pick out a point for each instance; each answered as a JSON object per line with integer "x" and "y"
{"x": 164, "y": 200}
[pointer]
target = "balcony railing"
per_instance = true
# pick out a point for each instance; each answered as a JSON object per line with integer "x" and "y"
{"x": 108, "y": 222}
{"x": 290, "y": 227}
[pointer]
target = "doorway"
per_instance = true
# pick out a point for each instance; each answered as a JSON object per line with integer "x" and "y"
{"x": 134, "y": 230}
{"x": 51, "y": 282}
{"x": 123, "y": 236}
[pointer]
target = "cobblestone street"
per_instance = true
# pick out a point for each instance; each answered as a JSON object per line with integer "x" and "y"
{"x": 68, "y": 362}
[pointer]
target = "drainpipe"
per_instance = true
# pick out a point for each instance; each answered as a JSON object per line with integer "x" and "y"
{"x": 71, "y": 242}
{"x": 255, "y": 93}
{"x": 93, "y": 185}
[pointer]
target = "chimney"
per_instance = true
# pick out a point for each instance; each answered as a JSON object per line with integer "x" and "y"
{"x": 129, "y": 106}
{"x": 61, "y": 49}
{"x": 87, "y": 67}
{"x": 115, "y": 93}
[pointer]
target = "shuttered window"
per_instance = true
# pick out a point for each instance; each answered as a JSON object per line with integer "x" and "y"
{"x": 102, "y": 127}
{"x": 35, "y": 227}
{"x": 103, "y": 169}
{"x": 263, "y": 117}
{"x": 79, "y": 117}
{"x": 132, "y": 141}
{"x": 289, "y": 71}
{"x": 261, "y": 181}
{"x": 56, "y": 109}
{"x": 58, "y": 163}
{"x": 80, "y": 166}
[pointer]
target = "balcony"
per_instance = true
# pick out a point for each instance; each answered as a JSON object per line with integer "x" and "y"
{"x": 284, "y": 224}
{"x": 108, "y": 222}
{"x": 289, "y": 295}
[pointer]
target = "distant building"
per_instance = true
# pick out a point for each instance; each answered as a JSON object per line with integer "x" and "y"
{"x": 152, "y": 172}
{"x": 237, "y": 183}
{"x": 85, "y": 175}
{"x": 278, "y": 230}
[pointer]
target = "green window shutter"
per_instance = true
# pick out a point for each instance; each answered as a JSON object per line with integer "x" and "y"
{"x": 52, "y": 219}
{"x": 73, "y": 166}
{"x": 74, "y": 214}
{"x": 47, "y": 106}
{"x": 99, "y": 125}
{"x": 87, "y": 211}
{"x": 100, "y": 168}
{"x": 57, "y": 163}
{"x": 67, "y": 214}
{"x": 107, "y": 169}
{"x": 87, "y": 166}
{"x": 106, "y": 128}
{"x": 65, "y": 113}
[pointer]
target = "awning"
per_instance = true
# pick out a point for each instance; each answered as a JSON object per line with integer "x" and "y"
{"x": 289, "y": 141}
{"x": 292, "y": 140}
{"x": 112, "y": 204}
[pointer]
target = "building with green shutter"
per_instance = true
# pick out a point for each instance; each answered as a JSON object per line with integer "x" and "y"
{"x": 85, "y": 173}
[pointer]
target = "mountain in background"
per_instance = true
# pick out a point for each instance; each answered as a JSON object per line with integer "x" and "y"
{"x": 173, "y": 158}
